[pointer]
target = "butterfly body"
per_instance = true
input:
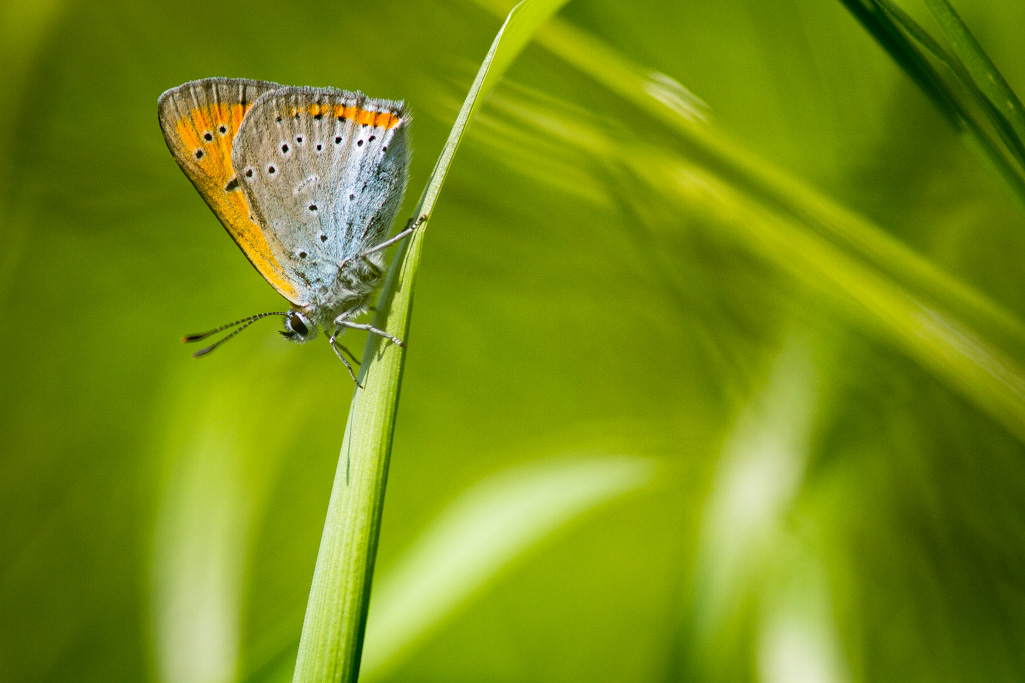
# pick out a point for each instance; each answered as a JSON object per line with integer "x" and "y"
{"x": 307, "y": 181}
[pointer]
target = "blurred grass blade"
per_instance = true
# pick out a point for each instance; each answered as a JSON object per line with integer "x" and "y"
{"x": 985, "y": 77}
{"x": 214, "y": 471}
{"x": 480, "y": 534}
{"x": 758, "y": 479}
{"x": 960, "y": 336}
{"x": 657, "y": 95}
{"x": 654, "y": 93}
{"x": 332, "y": 635}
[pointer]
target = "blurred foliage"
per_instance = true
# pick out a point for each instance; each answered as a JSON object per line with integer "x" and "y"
{"x": 668, "y": 412}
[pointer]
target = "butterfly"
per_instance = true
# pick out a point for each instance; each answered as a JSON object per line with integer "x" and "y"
{"x": 307, "y": 181}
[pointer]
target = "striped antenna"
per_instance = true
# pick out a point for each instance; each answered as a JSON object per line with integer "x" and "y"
{"x": 243, "y": 324}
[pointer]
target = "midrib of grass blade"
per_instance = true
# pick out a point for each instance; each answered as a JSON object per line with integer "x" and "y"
{"x": 332, "y": 635}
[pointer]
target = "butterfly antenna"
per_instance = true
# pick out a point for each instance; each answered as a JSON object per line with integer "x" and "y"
{"x": 243, "y": 324}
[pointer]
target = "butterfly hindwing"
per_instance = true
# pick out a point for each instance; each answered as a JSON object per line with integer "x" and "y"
{"x": 200, "y": 121}
{"x": 324, "y": 171}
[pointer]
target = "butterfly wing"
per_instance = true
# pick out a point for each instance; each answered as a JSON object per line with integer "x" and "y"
{"x": 324, "y": 171}
{"x": 200, "y": 121}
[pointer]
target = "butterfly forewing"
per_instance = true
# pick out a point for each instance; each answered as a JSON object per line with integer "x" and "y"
{"x": 324, "y": 172}
{"x": 200, "y": 121}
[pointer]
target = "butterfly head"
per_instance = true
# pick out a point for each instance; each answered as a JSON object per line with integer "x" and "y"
{"x": 298, "y": 327}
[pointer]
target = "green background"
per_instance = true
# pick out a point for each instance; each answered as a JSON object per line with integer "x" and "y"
{"x": 633, "y": 443}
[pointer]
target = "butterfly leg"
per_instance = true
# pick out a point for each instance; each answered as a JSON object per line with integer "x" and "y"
{"x": 410, "y": 228}
{"x": 335, "y": 346}
{"x": 347, "y": 352}
{"x": 371, "y": 329}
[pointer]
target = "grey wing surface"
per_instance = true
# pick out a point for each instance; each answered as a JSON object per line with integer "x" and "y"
{"x": 324, "y": 172}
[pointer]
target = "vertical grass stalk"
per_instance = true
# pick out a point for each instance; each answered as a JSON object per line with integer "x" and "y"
{"x": 336, "y": 613}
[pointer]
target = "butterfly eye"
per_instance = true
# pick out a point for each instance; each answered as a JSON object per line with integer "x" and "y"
{"x": 298, "y": 327}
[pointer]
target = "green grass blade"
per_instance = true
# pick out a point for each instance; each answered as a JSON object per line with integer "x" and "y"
{"x": 984, "y": 74}
{"x": 332, "y": 635}
{"x": 993, "y": 112}
{"x": 894, "y": 30}
{"x": 883, "y": 25}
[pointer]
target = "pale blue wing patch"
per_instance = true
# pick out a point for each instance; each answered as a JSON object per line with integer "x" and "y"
{"x": 324, "y": 174}
{"x": 373, "y": 182}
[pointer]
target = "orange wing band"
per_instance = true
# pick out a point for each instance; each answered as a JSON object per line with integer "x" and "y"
{"x": 207, "y": 134}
